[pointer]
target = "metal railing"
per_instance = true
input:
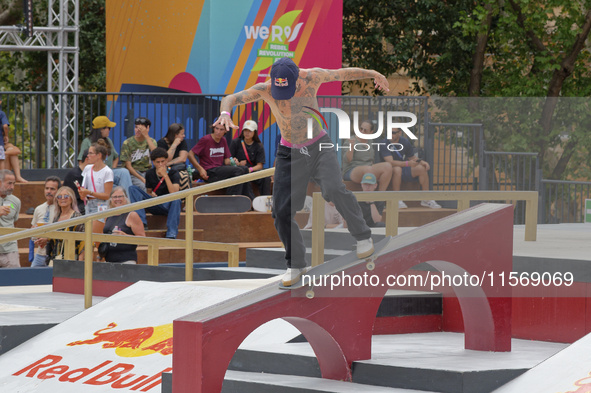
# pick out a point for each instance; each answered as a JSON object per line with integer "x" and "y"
{"x": 454, "y": 151}
{"x": 511, "y": 171}
{"x": 563, "y": 201}
{"x": 46, "y": 144}
{"x": 392, "y": 197}
{"x": 189, "y": 244}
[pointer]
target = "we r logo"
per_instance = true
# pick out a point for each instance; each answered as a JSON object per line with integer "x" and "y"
{"x": 392, "y": 122}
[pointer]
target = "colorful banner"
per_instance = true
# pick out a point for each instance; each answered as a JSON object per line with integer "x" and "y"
{"x": 217, "y": 47}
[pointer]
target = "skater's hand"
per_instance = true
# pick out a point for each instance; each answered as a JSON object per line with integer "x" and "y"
{"x": 381, "y": 82}
{"x": 226, "y": 121}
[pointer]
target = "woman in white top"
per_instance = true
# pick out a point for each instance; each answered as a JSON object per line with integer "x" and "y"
{"x": 97, "y": 180}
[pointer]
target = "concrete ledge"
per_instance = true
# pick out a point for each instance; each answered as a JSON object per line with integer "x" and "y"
{"x": 26, "y": 276}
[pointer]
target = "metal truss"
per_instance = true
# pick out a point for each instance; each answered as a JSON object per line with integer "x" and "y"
{"x": 60, "y": 39}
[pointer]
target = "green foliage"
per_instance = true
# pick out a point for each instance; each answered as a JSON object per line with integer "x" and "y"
{"x": 528, "y": 42}
{"x": 31, "y": 67}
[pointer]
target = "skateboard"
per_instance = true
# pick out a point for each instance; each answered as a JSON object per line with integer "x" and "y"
{"x": 222, "y": 204}
{"x": 263, "y": 203}
{"x": 337, "y": 265}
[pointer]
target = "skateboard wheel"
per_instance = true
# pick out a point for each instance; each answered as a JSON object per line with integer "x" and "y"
{"x": 371, "y": 265}
{"x": 310, "y": 294}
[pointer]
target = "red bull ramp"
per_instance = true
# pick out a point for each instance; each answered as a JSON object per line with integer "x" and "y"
{"x": 338, "y": 321}
{"x": 122, "y": 344}
{"x": 126, "y": 342}
{"x": 569, "y": 371}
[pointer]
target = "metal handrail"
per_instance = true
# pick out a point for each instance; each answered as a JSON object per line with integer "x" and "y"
{"x": 88, "y": 235}
{"x": 392, "y": 197}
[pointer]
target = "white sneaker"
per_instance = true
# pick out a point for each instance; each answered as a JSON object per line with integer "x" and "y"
{"x": 431, "y": 204}
{"x": 292, "y": 276}
{"x": 402, "y": 205}
{"x": 364, "y": 248}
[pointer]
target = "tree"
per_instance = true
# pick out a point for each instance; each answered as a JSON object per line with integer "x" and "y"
{"x": 513, "y": 48}
{"x": 33, "y": 65}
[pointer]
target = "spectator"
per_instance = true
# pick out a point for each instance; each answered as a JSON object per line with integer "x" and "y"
{"x": 215, "y": 162}
{"x": 357, "y": 162}
{"x": 9, "y": 208}
{"x": 12, "y": 162}
{"x": 135, "y": 152}
{"x": 8, "y": 152}
{"x": 65, "y": 208}
{"x": 248, "y": 151}
{"x": 43, "y": 215}
{"x": 123, "y": 224}
{"x": 372, "y": 211}
{"x": 175, "y": 144}
{"x": 101, "y": 126}
{"x": 74, "y": 176}
{"x": 162, "y": 181}
{"x": 332, "y": 218}
{"x": 97, "y": 180}
{"x": 407, "y": 167}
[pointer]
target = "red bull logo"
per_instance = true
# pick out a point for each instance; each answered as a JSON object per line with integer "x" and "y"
{"x": 118, "y": 375}
{"x": 133, "y": 342}
{"x": 281, "y": 82}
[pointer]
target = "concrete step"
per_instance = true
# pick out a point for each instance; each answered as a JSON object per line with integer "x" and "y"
{"x": 434, "y": 362}
{"x": 250, "y": 382}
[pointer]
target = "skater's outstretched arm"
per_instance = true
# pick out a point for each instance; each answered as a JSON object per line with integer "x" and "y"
{"x": 350, "y": 74}
{"x": 252, "y": 94}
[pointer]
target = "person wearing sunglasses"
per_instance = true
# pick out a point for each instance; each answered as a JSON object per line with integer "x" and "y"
{"x": 65, "y": 208}
{"x": 135, "y": 152}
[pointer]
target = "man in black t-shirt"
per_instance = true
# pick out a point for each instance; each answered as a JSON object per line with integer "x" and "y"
{"x": 162, "y": 181}
{"x": 372, "y": 211}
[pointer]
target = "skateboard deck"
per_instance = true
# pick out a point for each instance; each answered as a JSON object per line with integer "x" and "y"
{"x": 337, "y": 265}
{"x": 222, "y": 204}
{"x": 263, "y": 203}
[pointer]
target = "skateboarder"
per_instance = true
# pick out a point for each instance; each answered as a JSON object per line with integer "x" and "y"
{"x": 299, "y": 159}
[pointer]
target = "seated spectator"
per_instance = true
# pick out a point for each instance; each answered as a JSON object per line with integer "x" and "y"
{"x": 8, "y": 152}
{"x": 43, "y": 215}
{"x": 357, "y": 162}
{"x": 372, "y": 211}
{"x": 10, "y": 205}
{"x": 74, "y": 179}
{"x": 123, "y": 224}
{"x": 332, "y": 218}
{"x": 407, "y": 167}
{"x": 248, "y": 151}
{"x": 101, "y": 127}
{"x": 12, "y": 162}
{"x": 162, "y": 181}
{"x": 215, "y": 162}
{"x": 135, "y": 152}
{"x": 97, "y": 182}
{"x": 65, "y": 209}
{"x": 175, "y": 144}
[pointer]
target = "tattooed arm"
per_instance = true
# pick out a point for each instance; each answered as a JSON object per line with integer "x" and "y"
{"x": 253, "y": 94}
{"x": 352, "y": 74}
